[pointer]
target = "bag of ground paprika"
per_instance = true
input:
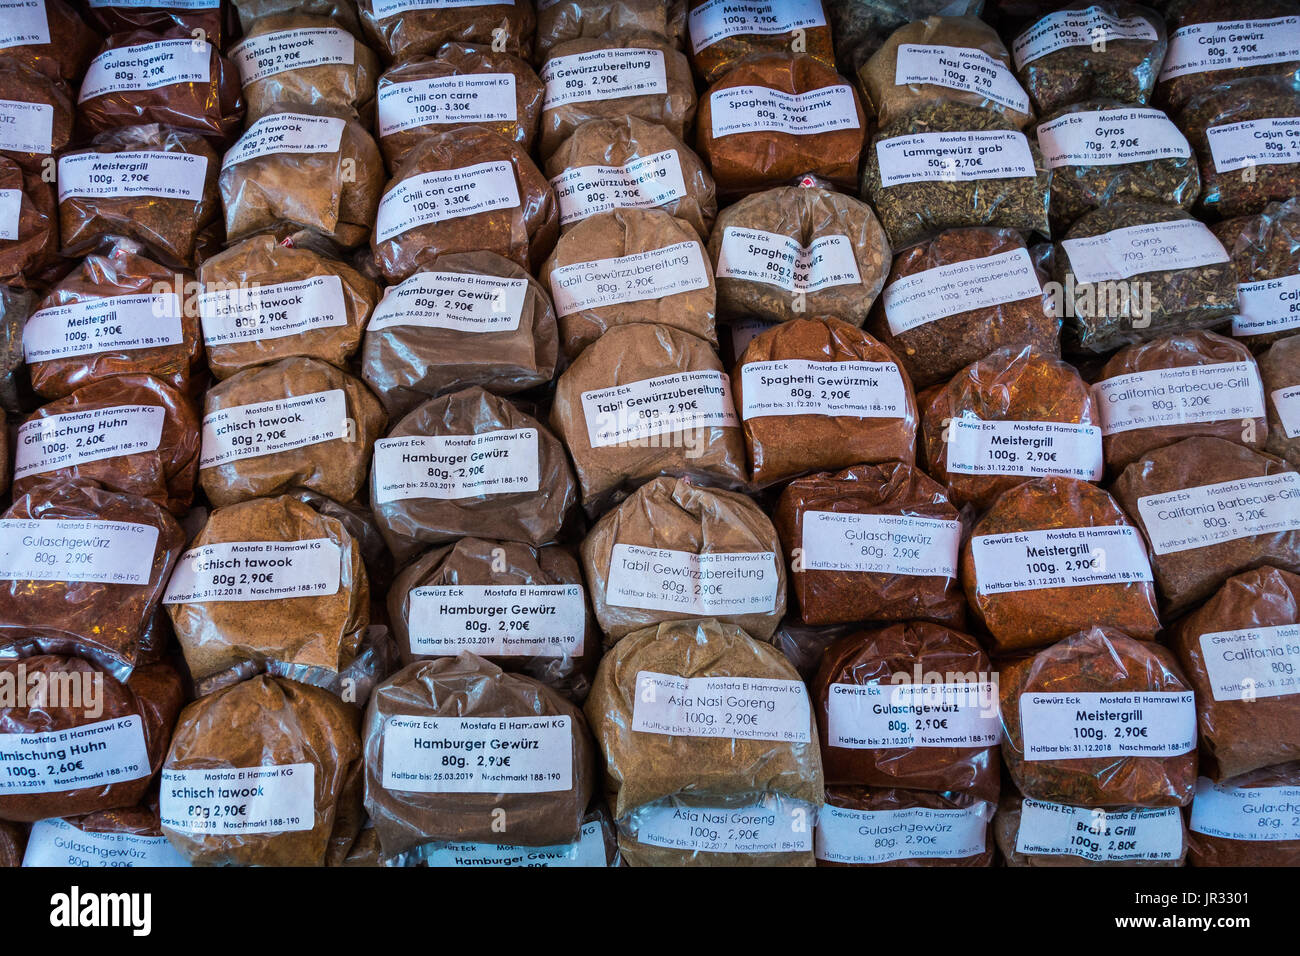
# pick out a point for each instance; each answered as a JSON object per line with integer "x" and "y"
{"x": 51, "y": 37}
{"x": 1051, "y": 556}
{"x": 871, "y": 543}
{"x": 820, "y": 395}
{"x": 1060, "y": 738}
{"x": 875, "y": 730}
{"x": 857, "y": 827}
{"x": 37, "y": 114}
{"x": 1246, "y": 821}
{"x": 121, "y": 740}
{"x": 294, "y": 746}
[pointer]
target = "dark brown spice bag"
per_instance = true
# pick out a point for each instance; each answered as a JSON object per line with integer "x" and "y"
{"x": 849, "y": 802}
{"x": 204, "y": 20}
{"x": 290, "y": 730}
{"x": 871, "y": 543}
{"x": 30, "y": 96}
{"x": 1139, "y": 382}
{"x": 1053, "y": 555}
{"x": 748, "y": 156}
{"x": 104, "y": 620}
{"x": 412, "y": 29}
{"x": 1224, "y": 829}
{"x": 1211, "y": 509}
{"x": 62, "y": 45}
{"x": 1240, "y": 652}
{"x": 539, "y": 624}
{"x": 919, "y": 651}
{"x": 570, "y": 19}
{"x": 430, "y": 730}
{"x": 154, "y": 311}
{"x": 1280, "y": 369}
{"x": 138, "y": 405}
{"x": 168, "y": 226}
{"x": 664, "y": 525}
{"x": 713, "y": 57}
{"x": 202, "y": 96}
{"x": 34, "y": 227}
{"x": 144, "y": 707}
{"x": 1264, "y": 247}
{"x": 794, "y": 378}
{"x": 1145, "y": 832}
{"x": 471, "y": 318}
{"x": 1100, "y": 661}
{"x": 469, "y": 463}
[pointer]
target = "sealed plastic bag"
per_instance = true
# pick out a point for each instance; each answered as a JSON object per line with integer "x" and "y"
{"x": 1266, "y": 251}
{"x": 1280, "y": 369}
{"x": 405, "y": 30}
{"x": 342, "y": 12}
{"x": 29, "y": 225}
{"x": 198, "y": 18}
{"x": 1047, "y": 834}
{"x": 725, "y": 32}
{"x": 59, "y": 43}
{"x": 820, "y": 395}
{"x": 674, "y": 550}
{"x": 38, "y": 114}
{"x": 890, "y": 826}
{"x": 1065, "y": 742}
{"x": 562, "y": 20}
{"x": 1246, "y": 821}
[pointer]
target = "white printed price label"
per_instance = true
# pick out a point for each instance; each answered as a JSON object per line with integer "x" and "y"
{"x": 767, "y": 826}
{"x": 11, "y": 212}
{"x": 263, "y": 312}
{"x": 26, "y": 127}
{"x": 147, "y": 66}
{"x": 514, "y": 620}
{"x": 89, "y": 756}
{"x": 1206, "y": 515}
{"x": 1134, "y": 250}
{"x": 735, "y": 708}
{"x": 587, "y": 851}
{"x": 133, "y": 174}
{"x": 718, "y": 19}
{"x": 483, "y": 98}
{"x": 268, "y": 799}
{"x": 459, "y": 302}
{"x": 78, "y": 438}
{"x": 477, "y": 754}
{"x": 797, "y": 387}
{"x": 450, "y": 467}
{"x": 866, "y": 837}
{"x": 656, "y": 406}
{"x": 56, "y": 842}
{"x": 1027, "y": 448}
{"x": 56, "y": 549}
{"x": 959, "y": 68}
{"x": 1231, "y": 45}
{"x": 1261, "y": 142}
{"x": 954, "y": 157}
{"x": 23, "y": 22}
{"x": 449, "y": 194}
{"x": 1287, "y": 403}
{"x": 256, "y": 571}
{"x": 611, "y": 74}
{"x": 1111, "y": 137}
{"x": 645, "y": 183}
{"x": 655, "y": 274}
{"x": 286, "y": 133}
{"x": 880, "y": 544}
{"x": 934, "y": 294}
{"x": 779, "y": 260}
{"x": 711, "y": 584}
{"x": 1082, "y": 725}
{"x": 265, "y": 428}
{"x": 1255, "y": 814}
{"x": 267, "y": 55}
{"x": 1253, "y": 662}
{"x": 1087, "y": 27}
{"x": 108, "y": 324}
{"x": 1059, "y": 558}
{"x": 1269, "y": 305}
{"x": 758, "y": 109}
{"x": 1102, "y": 836}
{"x": 1179, "y": 396}
{"x": 882, "y": 716}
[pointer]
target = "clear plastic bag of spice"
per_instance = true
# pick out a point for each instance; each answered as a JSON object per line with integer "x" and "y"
{"x": 854, "y": 827}
{"x": 131, "y": 723}
{"x": 561, "y": 20}
{"x": 860, "y": 27}
{"x": 1265, "y": 247}
{"x": 724, "y": 33}
{"x": 30, "y": 226}
{"x": 342, "y": 12}
{"x": 1110, "y": 49}
{"x": 1041, "y": 694}
{"x": 793, "y": 426}
{"x": 96, "y": 594}
{"x": 1043, "y": 833}
{"x": 1226, "y": 828}
{"x": 38, "y": 112}
{"x": 205, "y": 19}
{"x": 168, "y": 227}
{"x": 1280, "y": 369}
{"x": 189, "y": 86}
{"x": 61, "y": 45}
{"x": 761, "y": 828}
{"x": 405, "y": 30}
{"x": 151, "y": 302}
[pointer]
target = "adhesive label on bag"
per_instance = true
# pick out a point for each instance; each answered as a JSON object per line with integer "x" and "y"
{"x": 603, "y": 75}
{"x": 273, "y": 53}
{"x": 768, "y": 826}
{"x": 881, "y": 716}
{"x": 91, "y": 756}
{"x": 718, "y": 19}
{"x": 713, "y": 584}
{"x": 642, "y": 276}
{"x": 90, "y": 551}
{"x": 1135, "y": 250}
{"x": 80, "y": 437}
{"x": 256, "y": 571}
{"x": 459, "y": 302}
{"x": 734, "y": 708}
{"x": 1287, "y": 403}
{"x": 267, "y": 428}
{"x": 286, "y": 133}
{"x": 1059, "y": 558}
{"x": 1269, "y": 305}
{"x": 450, "y": 467}
{"x": 959, "y": 68}
{"x": 937, "y": 293}
{"x": 272, "y": 799}
{"x": 1206, "y": 515}
{"x": 760, "y": 109}
{"x": 388, "y": 8}
{"x": 1256, "y": 814}
{"x": 1085, "y": 724}
{"x": 645, "y": 183}
{"x": 1253, "y": 662}
{"x": 779, "y": 260}
{"x": 1027, "y": 448}
{"x": 108, "y": 324}
{"x": 1260, "y": 142}
{"x": 1111, "y": 137}
{"x": 449, "y": 194}
{"x": 588, "y": 850}
{"x": 11, "y": 213}
{"x": 1184, "y": 395}
{"x": 262, "y": 312}
{"x": 863, "y": 837}
{"x": 487, "y": 99}
{"x": 56, "y": 842}
{"x": 133, "y": 174}
{"x": 26, "y": 127}
{"x": 622, "y": 414}
{"x": 477, "y": 754}
{"x": 23, "y": 23}
{"x": 1231, "y": 45}
{"x": 508, "y": 620}
{"x": 147, "y": 66}
{"x": 1102, "y": 836}
{"x": 954, "y": 157}
{"x": 798, "y": 387}
{"x": 1087, "y": 27}
{"x": 880, "y": 544}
